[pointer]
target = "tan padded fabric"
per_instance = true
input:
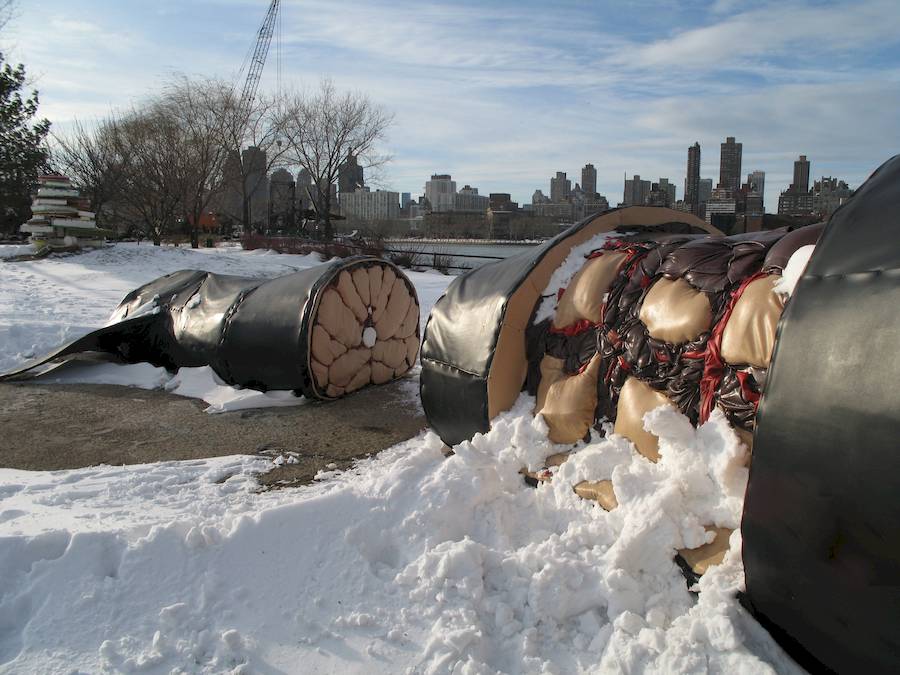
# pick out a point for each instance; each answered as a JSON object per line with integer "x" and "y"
{"x": 391, "y": 353}
{"x": 635, "y": 400}
{"x": 506, "y": 376}
{"x": 345, "y": 367}
{"x": 749, "y": 335}
{"x": 347, "y": 290}
{"x": 675, "y": 312}
{"x": 703, "y": 557}
{"x": 395, "y": 311}
{"x": 583, "y": 297}
{"x": 598, "y": 491}
{"x": 567, "y": 402}
{"x": 338, "y": 360}
{"x": 361, "y": 281}
{"x": 338, "y": 320}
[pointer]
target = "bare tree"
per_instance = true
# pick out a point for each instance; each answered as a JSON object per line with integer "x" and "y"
{"x": 323, "y": 128}
{"x": 259, "y": 130}
{"x": 7, "y": 9}
{"x": 153, "y": 182}
{"x": 96, "y": 161}
{"x": 203, "y": 113}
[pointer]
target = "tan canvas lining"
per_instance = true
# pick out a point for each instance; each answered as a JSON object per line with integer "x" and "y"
{"x": 583, "y": 298}
{"x": 700, "y": 559}
{"x": 567, "y": 402}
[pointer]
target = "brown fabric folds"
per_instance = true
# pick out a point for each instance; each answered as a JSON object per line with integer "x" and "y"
{"x": 700, "y": 559}
{"x": 675, "y": 312}
{"x": 598, "y": 491}
{"x": 567, "y": 402}
{"x": 749, "y": 335}
{"x": 635, "y": 400}
{"x": 583, "y": 298}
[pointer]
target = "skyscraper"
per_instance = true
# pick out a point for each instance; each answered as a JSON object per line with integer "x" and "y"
{"x": 730, "y": 165}
{"x": 801, "y": 176}
{"x": 692, "y": 183}
{"x": 560, "y": 187}
{"x": 589, "y": 181}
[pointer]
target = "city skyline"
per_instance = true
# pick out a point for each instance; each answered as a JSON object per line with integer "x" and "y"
{"x": 497, "y": 96}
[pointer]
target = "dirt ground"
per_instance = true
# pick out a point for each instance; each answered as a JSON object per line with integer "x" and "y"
{"x": 48, "y": 427}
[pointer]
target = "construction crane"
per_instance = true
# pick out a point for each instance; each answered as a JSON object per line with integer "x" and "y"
{"x": 258, "y": 60}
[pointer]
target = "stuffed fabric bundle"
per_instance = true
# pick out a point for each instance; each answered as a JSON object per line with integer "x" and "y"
{"x": 644, "y": 317}
{"x": 324, "y": 332}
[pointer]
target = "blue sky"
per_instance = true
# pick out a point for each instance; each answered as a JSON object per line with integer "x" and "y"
{"x": 503, "y": 94}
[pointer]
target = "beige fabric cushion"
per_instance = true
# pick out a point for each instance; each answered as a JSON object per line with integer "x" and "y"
{"x": 635, "y": 400}
{"x": 567, "y": 402}
{"x": 338, "y": 320}
{"x": 583, "y": 298}
{"x": 675, "y": 312}
{"x": 598, "y": 491}
{"x": 703, "y": 557}
{"x": 347, "y": 290}
{"x": 395, "y": 310}
{"x": 749, "y": 335}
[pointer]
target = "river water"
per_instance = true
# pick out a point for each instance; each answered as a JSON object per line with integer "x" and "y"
{"x": 457, "y": 254}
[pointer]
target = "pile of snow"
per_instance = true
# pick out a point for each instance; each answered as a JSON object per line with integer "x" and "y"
{"x": 794, "y": 269}
{"x": 410, "y": 562}
{"x": 563, "y": 274}
{"x": 13, "y": 250}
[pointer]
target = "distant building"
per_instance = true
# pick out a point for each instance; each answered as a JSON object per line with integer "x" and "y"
{"x": 350, "y": 175}
{"x": 468, "y": 200}
{"x": 589, "y": 181}
{"x": 706, "y": 187}
{"x": 721, "y": 209}
{"x": 363, "y": 204}
{"x": 730, "y": 165}
{"x": 661, "y": 193}
{"x": 828, "y": 194}
{"x": 405, "y": 200}
{"x": 256, "y": 183}
{"x": 440, "y": 192}
{"x": 560, "y": 188}
{"x": 282, "y": 202}
{"x": 797, "y": 200}
{"x": 502, "y": 201}
{"x": 637, "y": 191}
{"x": 692, "y": 182}
{"x": 539, "y": 198}
{"x": 756, "y": 180}
{"x": 801, "y": 176}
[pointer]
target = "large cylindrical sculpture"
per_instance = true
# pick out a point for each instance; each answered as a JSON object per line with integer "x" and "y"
{"x": 323, "y": 332}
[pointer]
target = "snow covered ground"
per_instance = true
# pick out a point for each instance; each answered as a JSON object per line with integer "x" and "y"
{"x": 409, "y": 562}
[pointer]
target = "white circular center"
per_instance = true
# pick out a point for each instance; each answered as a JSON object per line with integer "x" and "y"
{"x": 369, "y": 336}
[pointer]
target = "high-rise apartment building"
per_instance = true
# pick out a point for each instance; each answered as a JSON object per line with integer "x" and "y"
{"x": 756, "y": 191}
{"x": 282, "y": 205}
{"x": 706, "y": 188}
{"x": 801, "y": 176}
{"x": 637, "y": 191}
{"x": 560, "y": 188}
{"x": 468, "y": 199}
{"x": 440, "y": 192}
{"x": 362, "y": 204}
{"x": 692, "y": 182}
{"x": 589, "y": 181}
{"x": 730, "y": 165}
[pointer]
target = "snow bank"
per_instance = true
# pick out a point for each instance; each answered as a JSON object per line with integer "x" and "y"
{"x": 410, "y": 562}
{"x": 13, "y": 250}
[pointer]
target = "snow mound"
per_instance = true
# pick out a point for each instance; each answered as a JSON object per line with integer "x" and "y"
{"x": 410, "y": 562}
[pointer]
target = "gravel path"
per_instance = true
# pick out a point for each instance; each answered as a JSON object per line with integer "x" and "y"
{"x": 49, "y": 427}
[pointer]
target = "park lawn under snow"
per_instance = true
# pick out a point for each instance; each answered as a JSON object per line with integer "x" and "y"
{"x": 409, "y": 562}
